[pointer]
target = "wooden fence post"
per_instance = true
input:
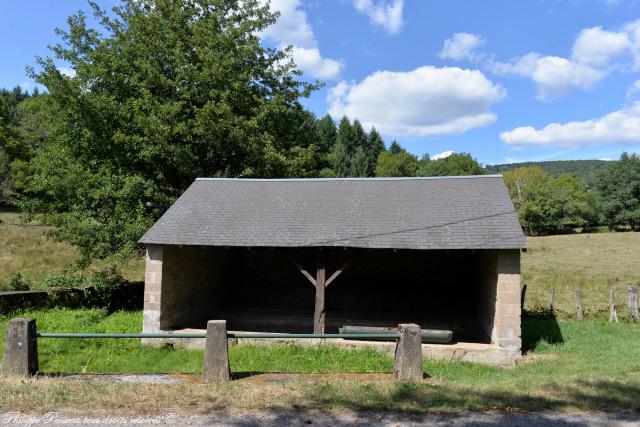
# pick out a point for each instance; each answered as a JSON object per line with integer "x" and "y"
{"x": 552, "y": 295}
{"x": 216, "y": 352}
{"x": 21, "y": 348}
{"x": 633, "y": 302}
{"x": 579, "y": 310}
{"x": 408, "y": 357}
{"x": 613, "y": 315}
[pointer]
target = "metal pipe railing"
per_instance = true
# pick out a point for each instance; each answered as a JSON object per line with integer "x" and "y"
{"x": 256, "y": 335}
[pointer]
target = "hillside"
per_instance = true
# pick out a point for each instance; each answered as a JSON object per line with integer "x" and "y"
{"x": 585, "y": 170}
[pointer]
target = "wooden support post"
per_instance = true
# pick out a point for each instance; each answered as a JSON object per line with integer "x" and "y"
{"x": 613, "y": 315}
{"x": 633, "y": 303}
{"x": 216, "y": 352}
{"x": 319, "y": 314}
{"x": 21, "y": 348}
{"x": 321, "y": 282}
{"x": 579, "y": 310}
{"x": 552, "y": 295}
{"x": 408, "y": 356}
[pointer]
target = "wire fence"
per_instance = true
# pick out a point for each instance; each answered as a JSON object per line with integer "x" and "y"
{"x": 619, "y": 303}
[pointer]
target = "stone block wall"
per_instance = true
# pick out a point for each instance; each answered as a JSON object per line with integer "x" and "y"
{"x": 182, "y": 285}
{"x": 499, "y": 297}
{"x": 152, "y": 288}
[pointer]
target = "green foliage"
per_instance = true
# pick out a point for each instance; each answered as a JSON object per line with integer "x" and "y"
{"x": 619, "y": 187}
{"x": 457, "y": 164}
{"x": 398, "y": 163}
{"x": 17, "y": 282}
{"x": 548, "y": 205}
{"x": 584, "y": 170}
{"x": 164, "y": 91}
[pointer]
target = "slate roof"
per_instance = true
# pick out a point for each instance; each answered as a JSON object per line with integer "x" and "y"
{"x": 473, "y": 212}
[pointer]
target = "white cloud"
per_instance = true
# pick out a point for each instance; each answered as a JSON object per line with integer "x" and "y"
{"x": 310, "y": 60}
{"x": 622, "y": 126}
{"x": 425, "y": 101}
{"x": 443, "y": 155}
{"x": 383, "y": 13}
{"x": 633, "y": 89}
{"x": 596, "y": 53}
{"x": 461, "y": 46}
{"x": 595, "y": 46}
{"x": 67, "y": 71}
{"x": 293, "y": 28}
{"x": 554, "y": 76}
{"x": 633, "y": 31}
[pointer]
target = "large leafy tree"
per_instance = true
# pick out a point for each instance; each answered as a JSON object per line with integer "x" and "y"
{"x": 619, "y": 187}
{"x": 164, "y": 91}
{"x": 454, "y": 165}
{"x": 396, "y": 162}
{"x": 548, "y": 205}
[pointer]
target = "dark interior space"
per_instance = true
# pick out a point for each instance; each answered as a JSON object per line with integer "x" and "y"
{"x": 264, "y": 290}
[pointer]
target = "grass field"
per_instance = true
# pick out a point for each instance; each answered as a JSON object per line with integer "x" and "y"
{"x": 26, "y": 249}
{"x": 571, "y": 365}
{"x": 594, "y": 263}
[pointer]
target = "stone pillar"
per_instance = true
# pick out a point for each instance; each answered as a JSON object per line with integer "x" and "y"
{"x": 506, "y": 328}
{"x": 408, "y": 357}
{"x": 216, "y": 353}
{"x": 152, "y": 288}
{"x": 21, "y": 348}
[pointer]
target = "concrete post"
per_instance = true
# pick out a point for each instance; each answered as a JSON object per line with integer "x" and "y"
{"x": 216, "y": 353}
{"x": 21, "y": 348}
{"x": 408, "y": 357}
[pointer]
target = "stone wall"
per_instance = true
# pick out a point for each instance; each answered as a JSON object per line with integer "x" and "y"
{"x": 124, "y": 296}
{"x": 499, "y": 297}
{"x": 182, "y": 285}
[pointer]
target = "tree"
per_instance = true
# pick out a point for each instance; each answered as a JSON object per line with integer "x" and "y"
{"x": 164, "y": 91}
{"x": 395, "y": 148}
{"x": 619, "y": 188}
{"x": 343, "y": 148}
{"x": 359, "y": 164}
{"x": 545, "y": 204}
{"x": 400, "y": 163}
{"x": 327, "y": 133}
{"x": 375, "y": 146}
{"x": 456, "y": 164}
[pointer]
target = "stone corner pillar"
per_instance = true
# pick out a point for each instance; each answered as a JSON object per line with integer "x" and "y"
{"x": 216, "y": 352}
{"x": 21, "y": 348}
{"x": 408, "y": 355}
{"x": 507, "y": 326}
{"x": 152, "y": 288}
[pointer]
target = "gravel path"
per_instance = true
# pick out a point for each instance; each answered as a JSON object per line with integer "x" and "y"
{"x": 348, "y": 418}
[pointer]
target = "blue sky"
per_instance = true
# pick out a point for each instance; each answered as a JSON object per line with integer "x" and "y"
{"x": 503, "y": 80}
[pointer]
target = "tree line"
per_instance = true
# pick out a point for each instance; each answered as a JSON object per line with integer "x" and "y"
{"x": 562, "y": 204}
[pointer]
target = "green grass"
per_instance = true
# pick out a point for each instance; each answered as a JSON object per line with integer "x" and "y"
{"x": 587, "y": 365}
{"x": 26, "y": 249}
{"x": 593, "y": 263}
{"x": 127, "y": 355}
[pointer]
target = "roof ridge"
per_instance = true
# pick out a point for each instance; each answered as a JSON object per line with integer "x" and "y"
{"x": 403, "y": 178}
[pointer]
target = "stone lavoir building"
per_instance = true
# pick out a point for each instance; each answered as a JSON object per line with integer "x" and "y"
{"x": 303, "y": 255}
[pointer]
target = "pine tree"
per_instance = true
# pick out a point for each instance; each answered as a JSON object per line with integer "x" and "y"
{"x": 395, "y": 148}
{"x": 345, "y": 135}
{"x": 375, "y": 145}
{"x": 328, "y": 134}
{"x": 340, "y": 160}
{"x": 359, "y": 163}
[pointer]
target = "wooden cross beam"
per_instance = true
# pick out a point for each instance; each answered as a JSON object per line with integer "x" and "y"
{"x": 320, "y": 282}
